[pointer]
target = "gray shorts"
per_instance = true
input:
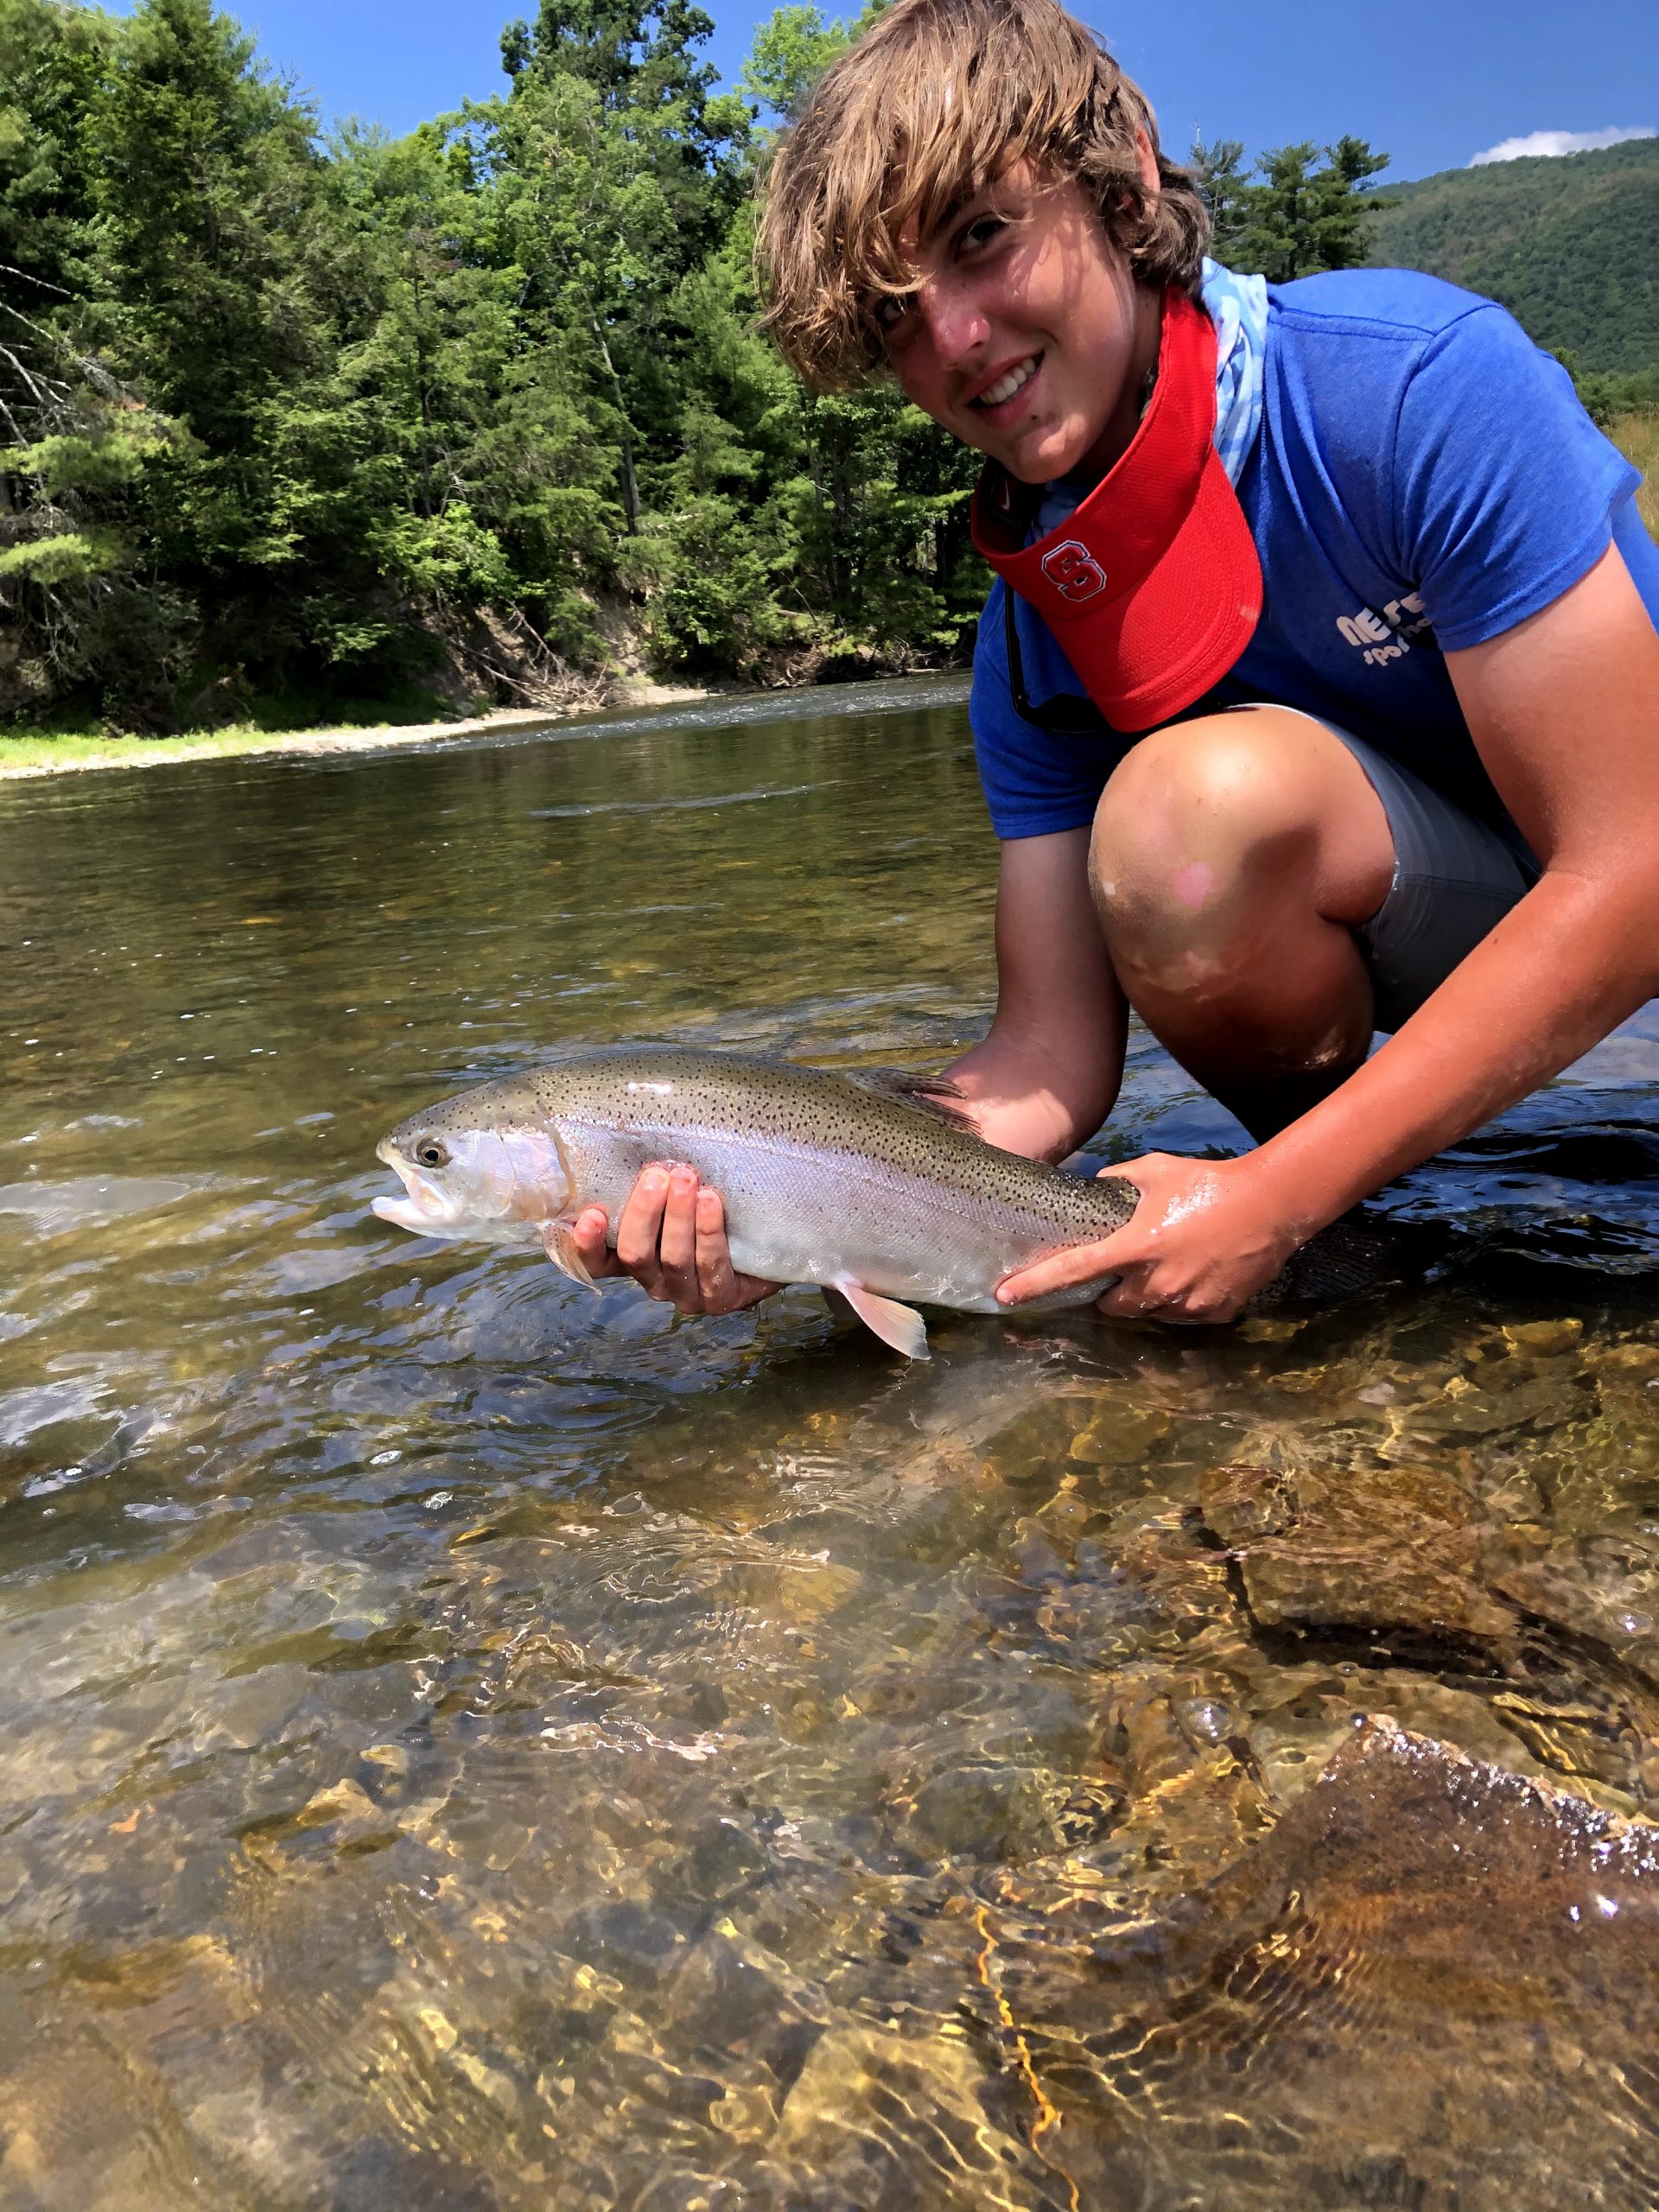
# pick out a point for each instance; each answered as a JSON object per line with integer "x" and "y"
{"x": 1454, "y": 878}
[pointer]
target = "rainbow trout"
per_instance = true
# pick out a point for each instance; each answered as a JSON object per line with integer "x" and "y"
{"x": 869, "y": 1184}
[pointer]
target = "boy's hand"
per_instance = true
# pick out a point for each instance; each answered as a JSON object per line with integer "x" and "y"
{"x": 1205, "y": 1237}
{"x": 671, "y": 1237}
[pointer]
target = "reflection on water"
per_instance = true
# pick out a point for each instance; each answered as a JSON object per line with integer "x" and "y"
{"x": 468, "y": 1743}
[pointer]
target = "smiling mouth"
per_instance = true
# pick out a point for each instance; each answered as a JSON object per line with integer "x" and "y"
{"x": 1012, "y": 381}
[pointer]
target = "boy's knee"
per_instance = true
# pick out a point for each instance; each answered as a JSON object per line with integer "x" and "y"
{"x": 1193, "y": 815}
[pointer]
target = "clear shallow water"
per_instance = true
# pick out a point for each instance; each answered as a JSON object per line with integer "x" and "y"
{"x": 468, "y": 1743}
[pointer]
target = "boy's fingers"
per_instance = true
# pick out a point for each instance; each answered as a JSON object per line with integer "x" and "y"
{"x": 715, "y": 1277}
{"x": 589, "y": 1229}
{"x": 724, "y": 1291}
{"x": 1078, "y": 1263}
{"x": 676, "y": 1245}
{"x": 671, "y": 1237}
{"x": 1129, "y": 1297}
{"x": 639, "y": 1226}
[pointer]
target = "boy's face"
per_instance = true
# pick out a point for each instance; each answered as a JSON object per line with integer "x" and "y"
{"x": 1028, "y": 336}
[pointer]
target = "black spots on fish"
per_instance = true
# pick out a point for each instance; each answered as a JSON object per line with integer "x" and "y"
{"x": 662, "y": 1091}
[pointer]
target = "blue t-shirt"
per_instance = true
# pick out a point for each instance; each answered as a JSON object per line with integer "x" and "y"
{"x": 1424, "y": 479}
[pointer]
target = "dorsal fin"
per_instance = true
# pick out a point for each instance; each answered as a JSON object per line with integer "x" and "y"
{"x": 932, "y": 1095}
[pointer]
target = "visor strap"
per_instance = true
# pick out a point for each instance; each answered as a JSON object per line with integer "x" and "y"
{"x": 1066, "y": 713}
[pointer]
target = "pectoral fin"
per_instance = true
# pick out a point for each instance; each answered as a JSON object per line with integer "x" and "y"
{"x": 559, "y": 1242}
{"x": 902, "y": 1327}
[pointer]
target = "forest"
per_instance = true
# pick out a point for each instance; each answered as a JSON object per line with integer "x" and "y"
{"x": 293, "y": 421}
{"x": 1570, "y": 243}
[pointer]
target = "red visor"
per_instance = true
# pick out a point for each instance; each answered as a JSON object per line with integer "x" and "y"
{"x": 1152, "y": 585}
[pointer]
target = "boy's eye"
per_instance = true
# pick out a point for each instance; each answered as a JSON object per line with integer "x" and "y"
{"x": 982, "y": 231}
{"x": 890, "y": 310}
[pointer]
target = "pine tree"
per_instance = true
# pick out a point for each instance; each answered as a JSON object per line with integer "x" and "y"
{"x": 1308, "y": 211}
{"x": 792, "y": 50}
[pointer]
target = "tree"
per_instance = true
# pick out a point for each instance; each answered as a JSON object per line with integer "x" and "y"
{"x": 74, "y": 441}
{"x": 792, "y": 50}
{"x": 639, "y": 62}
{"x": 1309, "y": 212}
{"x": 285, "y": 416}
{"x": 1224, "y": 182}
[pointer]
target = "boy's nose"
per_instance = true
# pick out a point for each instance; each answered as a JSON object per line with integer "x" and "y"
{"x": 953, "y": 321}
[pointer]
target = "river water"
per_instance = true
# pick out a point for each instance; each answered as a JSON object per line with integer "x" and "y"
{"x": 465, "y": 1742}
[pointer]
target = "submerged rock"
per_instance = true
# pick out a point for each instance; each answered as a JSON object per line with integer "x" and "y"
{"x": 1434, "y": 1983}
{"x": 1603, "y": 1587}
{"x": 991, "y": 1812}
{"x": 1400, "y": 1566}
{"x": 894, "y": 2123}
{"x": 1391, "y": 1549}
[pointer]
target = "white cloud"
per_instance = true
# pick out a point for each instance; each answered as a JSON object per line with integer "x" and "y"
{"x": 1561, "y": 142}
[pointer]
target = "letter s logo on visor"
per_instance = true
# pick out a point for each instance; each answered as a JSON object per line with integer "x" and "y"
{"x": 1073, "y": 571}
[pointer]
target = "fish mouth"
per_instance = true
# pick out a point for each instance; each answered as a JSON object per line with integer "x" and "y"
{"x": 423, "y": 1209}
{"x": 404, "y": 1213}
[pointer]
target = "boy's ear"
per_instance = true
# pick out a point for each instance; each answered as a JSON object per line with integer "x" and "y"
{"x": 1146, "y": 161}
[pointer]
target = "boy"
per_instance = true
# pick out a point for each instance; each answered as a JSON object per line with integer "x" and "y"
{"x": 1319, "y": 691}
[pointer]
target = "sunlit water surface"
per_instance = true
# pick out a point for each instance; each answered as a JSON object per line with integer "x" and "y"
{"x": 468, "y": 1742}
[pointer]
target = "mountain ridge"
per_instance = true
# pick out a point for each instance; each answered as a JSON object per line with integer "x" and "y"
{"x": 1569, "y": 243}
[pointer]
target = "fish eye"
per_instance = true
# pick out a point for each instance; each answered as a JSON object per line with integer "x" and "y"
{"x": 432, "y": 1152}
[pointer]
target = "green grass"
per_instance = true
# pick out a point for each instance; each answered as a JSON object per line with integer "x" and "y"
{"x": 89, "y": 748}
{"x": 59, "y": 742}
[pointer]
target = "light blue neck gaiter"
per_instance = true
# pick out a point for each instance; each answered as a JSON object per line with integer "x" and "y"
{"x": 1238, "y": 308}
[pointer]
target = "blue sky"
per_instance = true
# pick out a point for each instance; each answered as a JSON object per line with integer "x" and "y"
{"x": 1433, "y": 86}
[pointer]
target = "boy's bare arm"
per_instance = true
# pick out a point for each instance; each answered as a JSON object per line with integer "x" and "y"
{"x": 1047, "y": 1074}
{"x": 1565, "y": 710}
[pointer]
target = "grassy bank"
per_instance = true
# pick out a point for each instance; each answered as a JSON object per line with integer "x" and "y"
{"x": 1637, "y": 436}
{"x": 89, "y": 748}
{"x": 48, "y": 752}
{"x": 24, "y": 753}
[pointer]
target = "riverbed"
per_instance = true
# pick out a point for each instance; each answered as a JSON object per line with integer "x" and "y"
{"x": 467, "y": 1742}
